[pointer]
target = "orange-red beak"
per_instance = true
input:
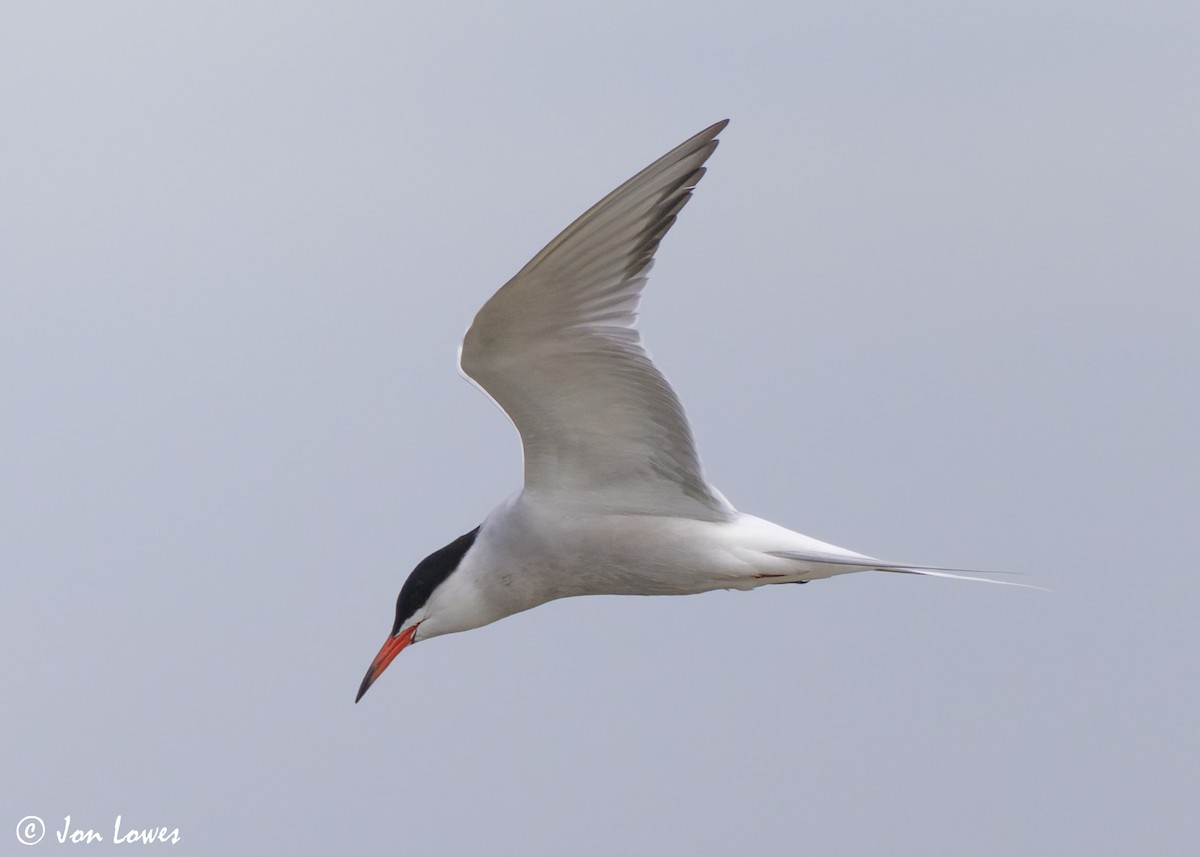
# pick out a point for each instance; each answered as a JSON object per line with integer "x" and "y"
{"x": 391, "y": 647}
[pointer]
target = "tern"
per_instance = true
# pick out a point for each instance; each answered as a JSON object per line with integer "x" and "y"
{"x": 614, "y": 500}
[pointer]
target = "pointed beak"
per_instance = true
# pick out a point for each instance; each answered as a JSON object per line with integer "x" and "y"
{"x": 391, "y": 647}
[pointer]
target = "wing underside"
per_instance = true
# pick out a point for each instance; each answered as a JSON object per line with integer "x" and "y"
{"x": 557, "y": 348}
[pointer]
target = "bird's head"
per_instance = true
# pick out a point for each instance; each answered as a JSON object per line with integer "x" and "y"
{"x": 414, "y": 607}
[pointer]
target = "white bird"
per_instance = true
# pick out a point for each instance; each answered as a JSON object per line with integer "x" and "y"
{"x": 615, "y": 501}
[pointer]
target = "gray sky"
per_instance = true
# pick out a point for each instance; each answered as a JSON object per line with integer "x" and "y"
{"x": 936, "y": 300}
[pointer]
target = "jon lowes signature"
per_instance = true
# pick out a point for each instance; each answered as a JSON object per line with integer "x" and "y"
{"x": 121, "y": 834}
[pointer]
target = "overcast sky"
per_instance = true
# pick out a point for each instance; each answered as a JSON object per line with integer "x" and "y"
{"x": 936, "y": 300}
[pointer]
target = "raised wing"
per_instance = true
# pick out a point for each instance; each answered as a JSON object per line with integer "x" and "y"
{"x": 557, "y": 348}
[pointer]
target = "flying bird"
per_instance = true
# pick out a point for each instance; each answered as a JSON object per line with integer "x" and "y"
{"x": 615, "y": 501}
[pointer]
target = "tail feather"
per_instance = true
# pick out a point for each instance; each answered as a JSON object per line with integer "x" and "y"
{"x": 866, "y": 563}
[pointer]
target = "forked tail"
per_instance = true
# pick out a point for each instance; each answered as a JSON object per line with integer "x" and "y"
{"x": 867, "y": 563}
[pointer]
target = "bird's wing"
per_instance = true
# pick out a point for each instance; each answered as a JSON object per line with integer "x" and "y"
{"x": 557, "y": 348}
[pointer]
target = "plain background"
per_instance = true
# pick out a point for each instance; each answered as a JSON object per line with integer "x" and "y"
{"x": 936, "y": 300}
